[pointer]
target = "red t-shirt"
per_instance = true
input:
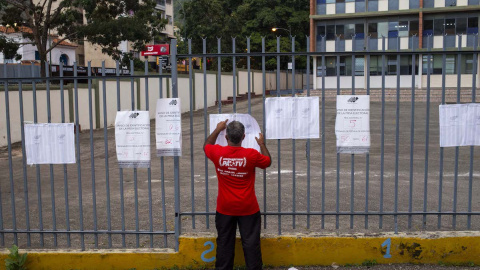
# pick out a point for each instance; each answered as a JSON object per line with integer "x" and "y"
{"x": 235, "y": 167}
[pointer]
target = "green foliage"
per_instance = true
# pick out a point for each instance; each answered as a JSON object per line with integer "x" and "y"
{"x": 9, "y": 48}
{"x": 15, "y": 261}
{"x": 369, "y": 263}
{"x": 212, "y": 19}
{"x": 107, "y": 24}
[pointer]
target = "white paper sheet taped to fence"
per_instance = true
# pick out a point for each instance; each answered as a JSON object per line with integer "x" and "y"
{"x": 168, "y": 127}
{"x": 50, "y": 143}
{"x": 292, "y": 118}
{"x": 132, "y": 139}
{"x": 459, "y": 124}
{"x": 352, "y": 125}
{"x": 252, "y": 129}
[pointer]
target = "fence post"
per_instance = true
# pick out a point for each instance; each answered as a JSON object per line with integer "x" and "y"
{"x": 176, "y": 160}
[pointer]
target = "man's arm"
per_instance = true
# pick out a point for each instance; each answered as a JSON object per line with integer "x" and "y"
{"x": 263, "y": 148}
{"x": 213, "y": 137}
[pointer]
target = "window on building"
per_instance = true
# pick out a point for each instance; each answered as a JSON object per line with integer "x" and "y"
{"x": 450, "y": 3}
{"x": 450, "y": 26}
{"x": 472, "y": 27}
{"x": 359, "y": 31}
{"x": 372, "y": 5}
{"x": 349, "y": 31}
{"x": 393, "y": 29}
{"x": 340, "y": 7}
{"x": 427, "y": 27}
{"x": 406, "y": 65}
{"x": 382, "y": 29}
{"x": 64, "y": 59}
{"x": 392, "y": 65}
{"x": 461, "y": 26}
{"x": 393, "y": 4}
{"x": 331, "y": 65}
{"x": 403, "y": 29}
{"x": 413, "y": 28}
{"x": 340, "y": 31}
{"x": 439, "y": 27}
{"x": 437, "y": 65}
{"x": 376, "y": 62}
{"x": 414, "y": 4}
{"x": 372, "y": 30}
{"x": 330, "y": 32}
{"x": 359, "y": 66}
{"x": 467, "y": 64}
{"x": 169, "y": 19}
{"x": 473, "y": 2}
{"x": 321, "y": 7}
{"x": 428, "y": 3}
{"x": 37, "y": 55}
{"x": 330, "y": 1}
{"x": 359, "y": 5}
{"x": 321, "y": 30}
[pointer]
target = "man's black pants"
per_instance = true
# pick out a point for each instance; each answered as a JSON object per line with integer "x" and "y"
{"x": 249, "y": 227}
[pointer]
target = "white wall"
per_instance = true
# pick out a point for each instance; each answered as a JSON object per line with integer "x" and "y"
{"x": 403, "y": 5}
{"x": 125, "y": 100}
{"x": 383, "y": 5}
{"x": 199, "y": 90}
{"x": 439, "y": 3}
{"x": 462, "y": 3}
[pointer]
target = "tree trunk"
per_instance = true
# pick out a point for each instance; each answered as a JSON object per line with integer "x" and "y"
{"x": 43, "y": 60}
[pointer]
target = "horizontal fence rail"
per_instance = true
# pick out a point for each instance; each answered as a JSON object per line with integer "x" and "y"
{"x": 405, "y": 183}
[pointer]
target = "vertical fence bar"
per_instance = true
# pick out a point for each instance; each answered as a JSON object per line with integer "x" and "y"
{"x": 52, "y": 182}
{"x": 219, "y": 75}
{"x": 337, "y": 204}
{"x": 79, "y": 168}
{"x": 176, "y": 160}
{"x": 278, "y": 146}
{"x": 92, "y": 155}
{"x": 37, "y": 167}
{"x": 367, "y": 157}
{"x": 470, "y": 173}
{"x": 149, "y": 170}
{"x": 234, "y": 77}
{"x": 65, "y": 177}
{"x": 308, "y": 140}
{"x": 2, "y": 235}
{"x": 440, "y": 174}
{"x": 294, "y": 187}
{"x": 397, "y": 137}
{"x": 427, "y": 136}
{"x": 324, "y": 69}
{"x": 382, "y": 140}
{"x": 135, "y": 177}
{"x": 10, "y": 165}
{"x": 352, "y": 156}
{"x": 105, "y": 138}
{"x": 24, "y": 162}
{"x": 122, "y": 197}
{"x": 162, "y": 163}
{"x": 248, "y": 78}
{"x": 412, "y": 136}
{"x": 457, "y": 149}
{"x": 192, "y": 166}
{"x": 205, "y": 114}
{"x": 263, "y": 130}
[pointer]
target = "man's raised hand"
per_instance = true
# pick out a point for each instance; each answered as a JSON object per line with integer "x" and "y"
{"x": 222, "y": 125}
{"x": 260, "y": 139}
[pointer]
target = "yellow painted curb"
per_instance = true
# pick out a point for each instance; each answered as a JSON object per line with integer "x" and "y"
{"x": 297, "y": 250}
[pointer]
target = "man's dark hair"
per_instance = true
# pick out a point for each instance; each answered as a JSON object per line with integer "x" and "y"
{"x": 235, "y": 132}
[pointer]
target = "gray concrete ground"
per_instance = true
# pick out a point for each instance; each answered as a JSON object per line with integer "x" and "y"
{"x": 292, "y": 184}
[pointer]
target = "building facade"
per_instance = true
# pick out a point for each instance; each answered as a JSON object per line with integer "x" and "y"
{"x": 359, "y": 25}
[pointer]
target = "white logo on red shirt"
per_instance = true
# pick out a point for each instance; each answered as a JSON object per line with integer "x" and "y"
{"x": 232, "y": 162}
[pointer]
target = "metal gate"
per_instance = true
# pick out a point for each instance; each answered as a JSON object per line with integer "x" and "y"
{"x": 406, "y": 183}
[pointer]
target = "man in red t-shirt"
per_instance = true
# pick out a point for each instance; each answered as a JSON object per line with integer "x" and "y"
{"x": 236, "y": 201}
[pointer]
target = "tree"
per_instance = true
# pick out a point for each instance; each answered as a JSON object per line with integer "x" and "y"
{"x": 107, "y": 23}
{"x": 9, "y": 48}
{"x": 253, "y": 18}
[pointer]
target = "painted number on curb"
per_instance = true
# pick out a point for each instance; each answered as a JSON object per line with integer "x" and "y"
{"x": 387, "y": 243}
{"x": 212, "y": 246}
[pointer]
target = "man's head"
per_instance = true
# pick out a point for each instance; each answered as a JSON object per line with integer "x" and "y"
{"x": 235, "y": 133}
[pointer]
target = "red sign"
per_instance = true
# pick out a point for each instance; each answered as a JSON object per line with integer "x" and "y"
{"x": 160, "y": 49}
